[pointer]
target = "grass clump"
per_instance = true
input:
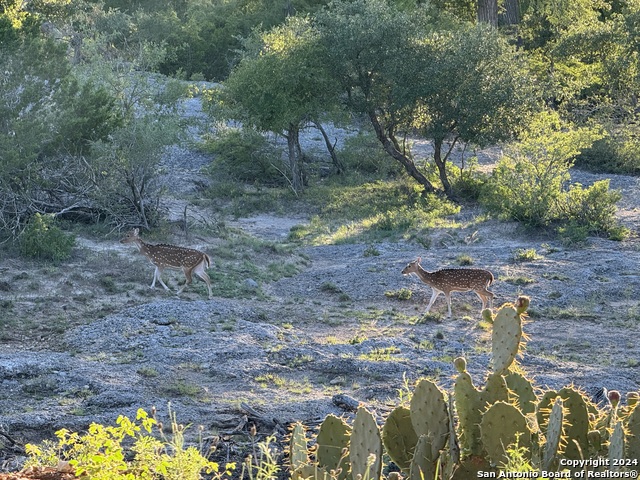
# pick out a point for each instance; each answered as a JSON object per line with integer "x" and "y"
{"x": 402, "y": 294}
{"x": 525, "y": 255}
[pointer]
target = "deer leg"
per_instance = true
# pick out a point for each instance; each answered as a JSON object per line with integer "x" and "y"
{"x": 447, "y": 295}
{"x": 200, "y": 272}
{"x": 187, "y": 274}
{"x": 156, "y": 276}
{"x": 487, "y": 298}
{"x": 435, "y": 293}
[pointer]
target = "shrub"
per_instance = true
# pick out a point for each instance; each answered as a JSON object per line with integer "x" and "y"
{"x": 529, "y": 185}
{"x": 364, "y": 154}
{"x": 100, "y": 453}
{"x": 246, "y": 155}
{"x": 43, "y": 239}
{"x": 592, "y": 209}
{"x": 619, "y": 152}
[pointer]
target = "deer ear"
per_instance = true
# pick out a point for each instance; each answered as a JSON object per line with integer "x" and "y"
{"x": 419, "y": 259}
{"x": 136, "y": 231}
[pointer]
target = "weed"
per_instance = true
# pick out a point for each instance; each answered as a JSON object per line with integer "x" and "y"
{"x": 148, "y": 372}
{"x": 464, "y": 260}
{"x": 371, "y": 251}
{"x": 402, "y": 294}
{"x": 182, "y": 388}
{"x": 520, "y": 280}
{"x": 381, "y": 354}
{"x": 525, "y": 255}
{"x": 330, "y": 288}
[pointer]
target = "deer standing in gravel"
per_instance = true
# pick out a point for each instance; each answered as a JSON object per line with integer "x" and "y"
{"x": 163, "y": 256}
{"x": 450, "y": 280}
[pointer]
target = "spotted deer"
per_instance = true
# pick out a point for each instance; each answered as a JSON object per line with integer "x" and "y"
{"x": 163, "y": 256}
{"x": 450, "y": 280}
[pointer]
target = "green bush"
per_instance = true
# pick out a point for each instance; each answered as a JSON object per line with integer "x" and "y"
{"x": 591, "y": 211}
{"x": 43, "y": 239}
{"x": 100, "y": 454}
{"x": 619, "y": 152}
{"x": 529, "y": 184}
{"x": 364, "y": 154}
{"x": 245, "y": 155}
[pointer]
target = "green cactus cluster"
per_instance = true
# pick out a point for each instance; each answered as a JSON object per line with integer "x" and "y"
{"x": 454, "y": 436}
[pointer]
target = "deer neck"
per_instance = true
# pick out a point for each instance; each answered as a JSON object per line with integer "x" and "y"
{"x": 422, "y": 273}
{"x": 142, "y": 246}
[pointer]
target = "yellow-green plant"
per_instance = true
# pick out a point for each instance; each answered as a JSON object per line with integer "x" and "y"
{"x": 101, "y": 453}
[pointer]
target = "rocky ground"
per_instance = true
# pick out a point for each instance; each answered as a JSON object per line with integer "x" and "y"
{"x": 89, "y": 349}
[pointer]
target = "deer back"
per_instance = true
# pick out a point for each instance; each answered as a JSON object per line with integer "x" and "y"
{"x": 172, "y": 256}
{"x": 449, "y": 279}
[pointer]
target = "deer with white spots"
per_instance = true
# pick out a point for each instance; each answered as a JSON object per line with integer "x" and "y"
{"x": 450, "y": 280}
{"x": 163, "y": 256}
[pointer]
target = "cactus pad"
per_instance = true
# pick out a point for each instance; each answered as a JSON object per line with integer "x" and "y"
{"x": 298, "y": 454}
{"x": 522, "y": 390}
{"x": 423, "y": 464}
{"x": 555, "y": 427}
{"x": 503, "y": 425}
{"x": 505, "y": 338}
{"x": 577, "y": 419}
{"x": 332, "y": 440}
{"x": 365, "y": 443}
{"x": 469, "y": 405}
{"x": 429, "y": 414}
{"x": 399, "y": 437}
{"x": 616, "y": 446}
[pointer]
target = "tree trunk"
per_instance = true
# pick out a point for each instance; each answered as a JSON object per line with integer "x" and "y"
{"x": 488, "y": 12}
{"x": 511, "y": 14}
{"x": 339, "y": 166}
{"x": 295, "y": 158}
{"x": 397, "y": 155}
{"x": 442, "y": 166}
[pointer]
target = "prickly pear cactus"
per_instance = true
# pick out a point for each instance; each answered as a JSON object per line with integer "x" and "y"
{"x": 429, "y": 414}
{"x": 505, "y": 338}
{"x": 577, "y": 419}
{"x": 616, "y": 446}
{"x": 469, "y": 405}
{"x": 298, "y": 455}
{"x": 332, "y": 440}
{"x": 423, "y": 464}
{"x": 503, "y": 425}
{"x": 555, "y": 427}
{"x": 522, "y": 391}
{"x": 633, "y": 439}
{"x": 399, "y": 437}
{"x": 365, "y": 450}
{"x": 495, "y": 390}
